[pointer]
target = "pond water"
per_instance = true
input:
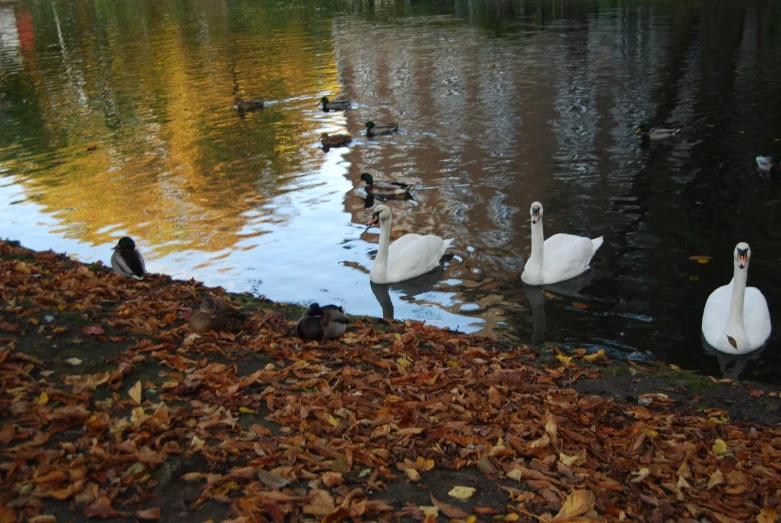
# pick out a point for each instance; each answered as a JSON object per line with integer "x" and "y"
{"x": 118, "y": 119}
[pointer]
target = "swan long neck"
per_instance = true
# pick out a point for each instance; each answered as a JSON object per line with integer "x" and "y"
{"x": 381, "y": 261}
{"x": 735, "y": 323}
{"x": 538, "y": 245}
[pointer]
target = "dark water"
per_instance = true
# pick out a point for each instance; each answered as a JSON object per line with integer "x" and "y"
{"x": 117, "y": 119}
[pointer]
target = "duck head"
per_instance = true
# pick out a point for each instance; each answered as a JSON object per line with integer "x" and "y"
{"x": 644, "y": 128}
{"x": 381, "y": 213}
{"x": 366, "y": 177}
{"x": 370, "y": 125}
{"x": 536, "y": 212}
{"x": 125, "y": 243}
{"x": 742, "y": 255}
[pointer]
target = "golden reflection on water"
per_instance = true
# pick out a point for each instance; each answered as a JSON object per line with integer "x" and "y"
{"x": 138, "y": 132}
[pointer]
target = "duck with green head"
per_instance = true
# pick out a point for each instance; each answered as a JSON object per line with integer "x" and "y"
{"x": 383, "y": 188}
{"x": 378, "y": 128}
{"x": 337, "y": 104}
{"x": 647, "y": 132}
{"x": 126, "y": 259}
{"x": 769, "y": 163}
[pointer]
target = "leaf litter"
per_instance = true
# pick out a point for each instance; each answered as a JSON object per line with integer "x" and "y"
{"x": 274, "y": 429}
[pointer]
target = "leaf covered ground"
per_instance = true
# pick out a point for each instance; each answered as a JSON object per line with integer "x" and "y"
{"x": 111, "y": 407}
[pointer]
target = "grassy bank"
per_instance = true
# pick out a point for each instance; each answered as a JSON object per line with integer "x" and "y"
{"x": 112, "y": 407}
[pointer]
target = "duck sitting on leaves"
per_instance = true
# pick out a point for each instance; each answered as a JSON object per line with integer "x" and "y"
{"x": 245, "y": 106}
{"x": 647, "y": 132}
{"x": 126, "y": 259}
{"x": 335, "y": 140}
{"x": 382, "y": 188}
{"x": 321, "y": 323}
{"x": 215, "y": 314}
{"x": 378, "y": 128}
{"x": 337, "y": 104}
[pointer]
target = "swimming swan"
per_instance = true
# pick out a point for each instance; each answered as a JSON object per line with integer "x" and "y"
{"x": 736, "y": 319}
{"x": 408, "y": 257}
{"x": 560, "y": 257}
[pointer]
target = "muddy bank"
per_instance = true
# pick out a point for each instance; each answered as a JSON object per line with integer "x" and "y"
{"x": 112, "y": 407}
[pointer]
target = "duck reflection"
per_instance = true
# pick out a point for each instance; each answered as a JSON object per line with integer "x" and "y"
{"x": 732, "y": 365}
{"x": 536, "y": 296}
{"x": 408, "y": 288}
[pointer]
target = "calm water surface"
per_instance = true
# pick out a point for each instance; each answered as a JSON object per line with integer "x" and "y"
{"x": 117, "y": 120}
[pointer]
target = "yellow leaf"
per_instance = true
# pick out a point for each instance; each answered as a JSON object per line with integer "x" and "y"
{"x": 135, "y": 392}
{"x": 170, "y": 384}
{"x": 719, "y": 447}
{"x": 564, "y": 359}
{"x": 675, "y": 367}
{"x": 245, "y": 410}
{"x": 577, "y": 459}
{"x": 73, "y": 361}
{"x": 512, "y": 517}
{"x": 44, "y": 398}
{"x": 424, "y": 465}
{"x": 767, "y": 515}
{"x": 404, "y": 362}
{"x": 641, "y": 475}
{"x": 597, "y": 356}
{"x": 333, "y": 421}
{"x": 721, "y": 420}
{"x": 430, "y": 510}
{"x": 197, "y": 442}
{"x": 515, "y": 474}
{"x": 22, "y": 267}
{"x": 412, "y": 475}
{"x": 577, "y": 503}
{"x": 461, "y": 492}
{"x": 702, "y": 262}
{"x": 471, "y": 519}
{"x": 701, "y": 259}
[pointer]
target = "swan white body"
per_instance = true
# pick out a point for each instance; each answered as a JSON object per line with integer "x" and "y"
{"x": 736, "y": 313}
{"x": 410, "y": 256}
{"x": 560, "y": 257}
{"x": 765, "y": 163}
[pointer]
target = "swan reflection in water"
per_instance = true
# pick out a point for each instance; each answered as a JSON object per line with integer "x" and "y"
{"x": 732, "y": 365}
{"x": 536, "y": 296}
{"x": 409, "y": 288}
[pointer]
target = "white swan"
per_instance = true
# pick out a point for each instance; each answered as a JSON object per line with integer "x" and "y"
{"x": 560, "y": 257}
{"x": 408, "y": 257}
{"x": 736, "y": 319}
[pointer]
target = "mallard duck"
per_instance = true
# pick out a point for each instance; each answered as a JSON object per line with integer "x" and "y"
{"x": 647, "y": 132}
{"x": 321, "y": 323}
{"x": 769, "y": 163}
{"x": 335, "y": 140}
{"x": 215, "y": 314}
{"x": 384, "y": 188}
{"x": 126, "y": 260}
{"x": 245, "y": 106}
{"x": 375, "y": 129}
{"x": 337, "y": 104}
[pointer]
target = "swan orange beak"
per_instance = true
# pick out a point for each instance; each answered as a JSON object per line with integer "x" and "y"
{"x": 742, "y": 258}
{"x": 374, "y": 220}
